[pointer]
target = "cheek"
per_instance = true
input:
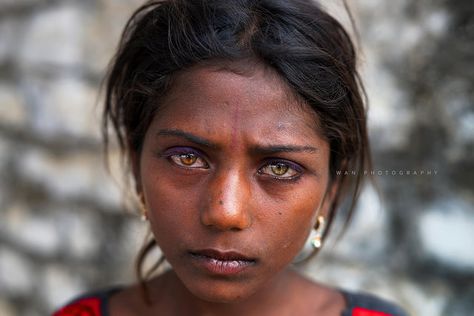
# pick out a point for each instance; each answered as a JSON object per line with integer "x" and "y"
{"x": 288, "y": 226}
{"x": 172, "y": 207}
{"x": 171, "y": 212}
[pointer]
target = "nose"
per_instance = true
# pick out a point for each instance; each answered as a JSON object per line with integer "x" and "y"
{"x": 228, "y": 202}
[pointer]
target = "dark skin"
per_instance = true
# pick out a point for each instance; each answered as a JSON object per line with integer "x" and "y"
{"x": 236, "y": 163}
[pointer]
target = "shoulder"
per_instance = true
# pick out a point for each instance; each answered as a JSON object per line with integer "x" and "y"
{"x": 88, "y": 304}
{"x": 364, "y": 304}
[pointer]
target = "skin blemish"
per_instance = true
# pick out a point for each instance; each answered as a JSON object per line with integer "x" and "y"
{"x": 281, "y": 126}
{"x": 221, "y": 203}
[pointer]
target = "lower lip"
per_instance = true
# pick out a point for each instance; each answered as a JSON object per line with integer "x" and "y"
{"x": 222, "y": 267}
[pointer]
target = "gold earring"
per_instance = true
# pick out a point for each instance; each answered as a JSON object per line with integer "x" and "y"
{"x": 317, "y": 240}
{"x": 142, "y": 207}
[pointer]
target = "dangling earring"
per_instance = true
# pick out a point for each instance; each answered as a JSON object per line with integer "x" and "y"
{"x": 313, "y": 242}
{"x": 142, "y": 207}
{"x": 317, "y": 240}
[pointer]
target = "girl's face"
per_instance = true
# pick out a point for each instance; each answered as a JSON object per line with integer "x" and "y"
{"x": 233, "y": 172}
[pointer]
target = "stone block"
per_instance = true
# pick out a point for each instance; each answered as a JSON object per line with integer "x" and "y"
{"x": 422, "y": 299}
{"x": 8, "y": 35}
{"x": 461, "y": 303}
{"x": 79, "y": 175}
{"x": 446, "y": 232}
{"x": 11, "y": 4}
{"x": 366, "y": 239}
{"x": 133, "y": 235}
{"x": 389, "y": 117}
{"x": 103, "y": 25}
{"x": 31, "y": 230}
{"x": 13, "y": 111}
{"x": 4, "y": 157}
{"x": 58, "y": 285}
{"x": 6, "y": 308}
{"x": 54, "y": 37}
{"x": 102, "y": 32}
{"x": 61, "y": 105}
{"x": 80, "y": 232}
{"x": 456, "y": 105}
{"x": 16, "y": 274}
{"x": 331, "y": 271}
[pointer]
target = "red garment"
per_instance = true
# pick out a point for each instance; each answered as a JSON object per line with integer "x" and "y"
{"x": 359, "y": 311}
{"x": 83, "y": 307}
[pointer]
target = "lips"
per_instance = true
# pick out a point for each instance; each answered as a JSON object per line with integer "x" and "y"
{"x": 224, "y": 256}
{"x": 222, "y": 262}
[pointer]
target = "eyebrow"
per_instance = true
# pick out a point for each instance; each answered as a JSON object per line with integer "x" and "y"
{"x": 273, "y": 149}
{"x": 257, "y": 149}
{"x": 188, "y": 136}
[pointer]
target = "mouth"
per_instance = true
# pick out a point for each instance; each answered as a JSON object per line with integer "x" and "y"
{"x": 222, "y": 262}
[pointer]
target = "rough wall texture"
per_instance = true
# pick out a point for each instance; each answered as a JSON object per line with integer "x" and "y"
{"x": 62, "y": 225}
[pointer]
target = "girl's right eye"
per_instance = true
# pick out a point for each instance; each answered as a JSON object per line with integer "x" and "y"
{"x": 187, "y": 159}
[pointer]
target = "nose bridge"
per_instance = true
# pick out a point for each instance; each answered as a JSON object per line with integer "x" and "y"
{"x": 227, "y": 207}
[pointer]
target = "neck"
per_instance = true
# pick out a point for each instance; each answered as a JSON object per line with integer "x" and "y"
{"x": 181, "y": 301}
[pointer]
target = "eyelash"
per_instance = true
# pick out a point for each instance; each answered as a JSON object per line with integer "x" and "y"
{"x": 179, "y": 151}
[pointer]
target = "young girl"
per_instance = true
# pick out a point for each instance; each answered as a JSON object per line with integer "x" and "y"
{"x": 234, "y": 117}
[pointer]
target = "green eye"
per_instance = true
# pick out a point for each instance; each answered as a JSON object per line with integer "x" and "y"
{"x": 279, "y": 169}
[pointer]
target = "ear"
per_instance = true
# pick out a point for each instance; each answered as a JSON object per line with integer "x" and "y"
{"x": 329, "y": 198}
{"x": 134, "y": 157}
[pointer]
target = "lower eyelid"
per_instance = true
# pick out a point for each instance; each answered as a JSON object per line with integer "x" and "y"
{"x": 297, "y": 173}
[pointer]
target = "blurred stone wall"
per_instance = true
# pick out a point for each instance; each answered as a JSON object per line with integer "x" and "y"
{"x": 62, "y": 225}
{"x": 63, "y": 228}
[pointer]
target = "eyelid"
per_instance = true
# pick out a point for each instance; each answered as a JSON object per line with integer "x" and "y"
{"x": 180, "y": 150}
{"x": 290, "y": 163}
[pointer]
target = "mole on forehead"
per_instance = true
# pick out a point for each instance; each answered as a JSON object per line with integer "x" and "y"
{"x": 282, "y": 126}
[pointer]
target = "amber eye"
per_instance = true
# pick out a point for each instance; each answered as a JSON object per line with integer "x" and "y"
{"x": 279, "y": 169}
{"x": 187, "y": 159}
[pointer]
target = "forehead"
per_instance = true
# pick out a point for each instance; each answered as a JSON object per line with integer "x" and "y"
{"x": 221, "y": 96}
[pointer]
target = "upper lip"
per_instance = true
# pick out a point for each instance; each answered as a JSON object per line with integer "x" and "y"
{"x": 221, "y": 255}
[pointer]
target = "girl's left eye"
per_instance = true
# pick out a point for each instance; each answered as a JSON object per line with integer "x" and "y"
{"x": 281, "y": 170}
{"x": 188, "y": 160}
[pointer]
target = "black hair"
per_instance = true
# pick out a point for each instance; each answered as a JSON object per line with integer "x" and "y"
{"x": 309, "y": 49}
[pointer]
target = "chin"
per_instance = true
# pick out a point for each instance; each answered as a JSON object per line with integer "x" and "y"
{"x": 224, "y": 292}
